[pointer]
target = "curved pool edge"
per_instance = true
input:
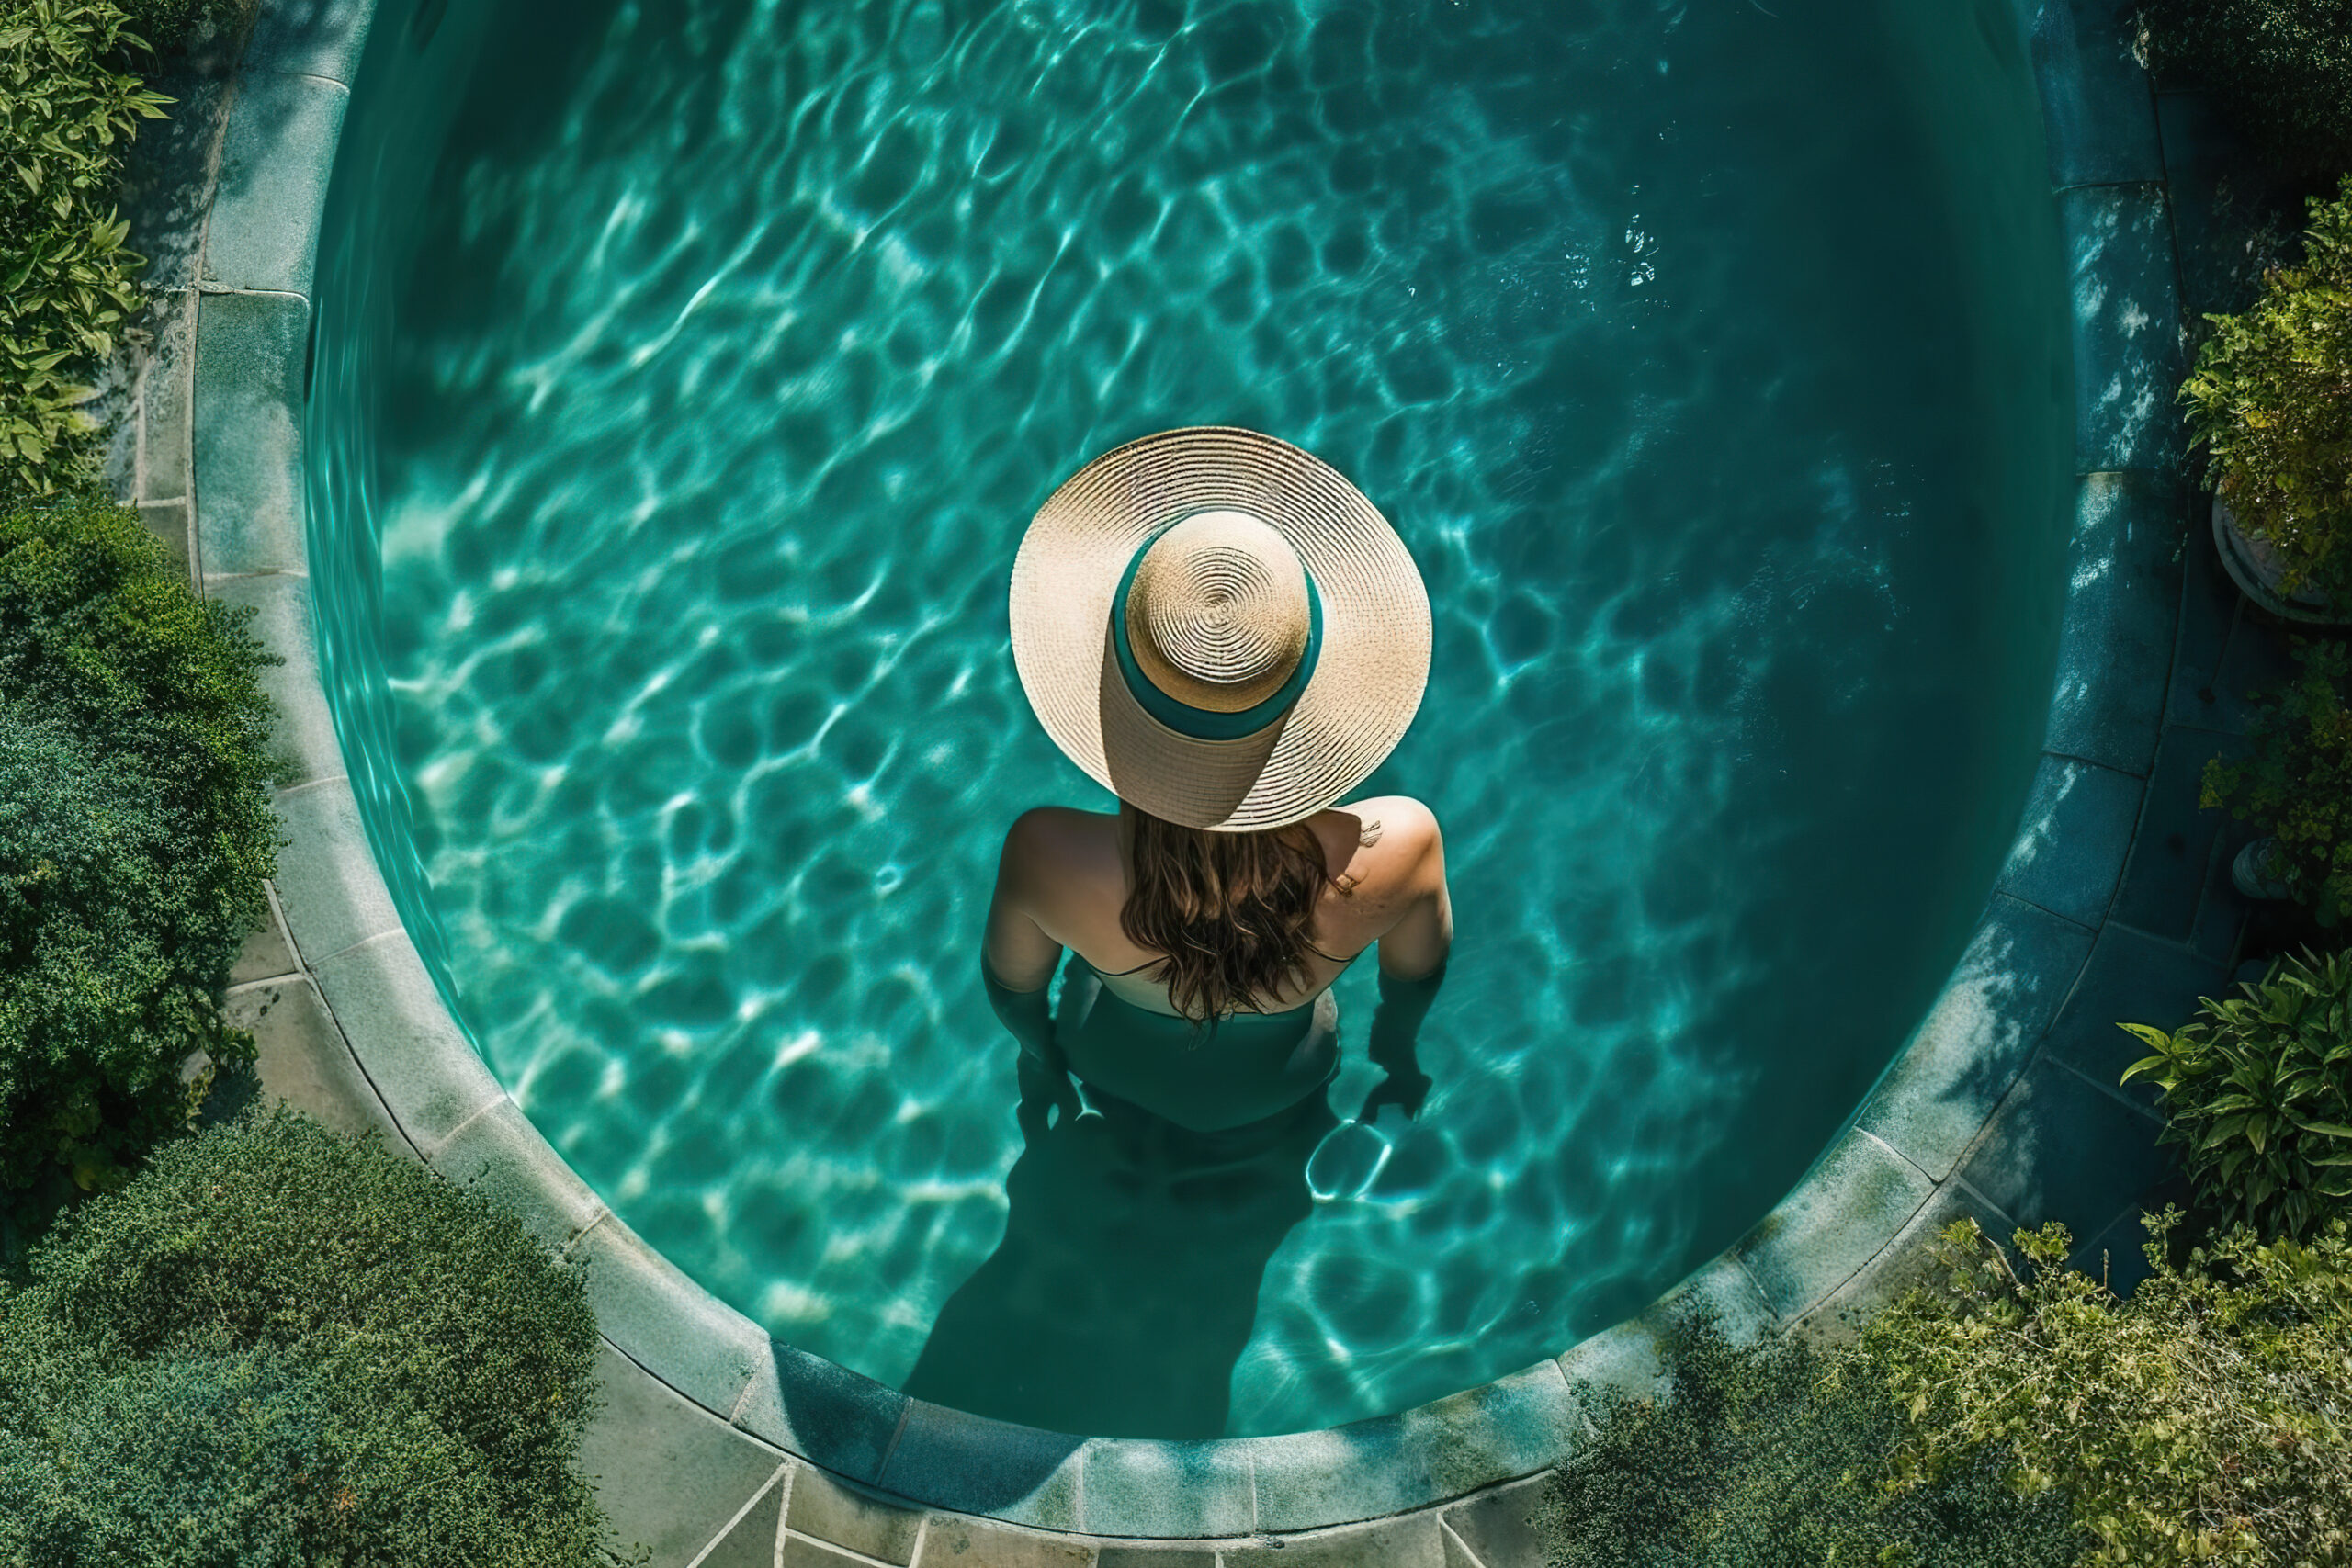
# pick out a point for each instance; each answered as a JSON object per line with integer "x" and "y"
{"x": 1966, "y": 1105}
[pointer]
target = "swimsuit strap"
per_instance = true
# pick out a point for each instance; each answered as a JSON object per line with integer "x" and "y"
{"x": 1148, "y": 963}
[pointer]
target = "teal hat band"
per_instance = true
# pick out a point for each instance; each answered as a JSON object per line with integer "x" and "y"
{"x": 1203, "y": 724}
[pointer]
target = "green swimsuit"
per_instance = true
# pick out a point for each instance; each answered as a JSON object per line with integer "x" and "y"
{"x": 1252, "y": 1066}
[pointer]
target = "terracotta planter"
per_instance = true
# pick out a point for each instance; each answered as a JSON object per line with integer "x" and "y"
{"x": 2253, "y": 565}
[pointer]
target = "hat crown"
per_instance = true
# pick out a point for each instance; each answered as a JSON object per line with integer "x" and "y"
{"x": 1218, "y": 614}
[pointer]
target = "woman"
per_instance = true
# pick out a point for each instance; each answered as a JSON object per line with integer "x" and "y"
{"x": 1222, "y": 630}
{"x": 1225, "y": 633}
{"x": 1199, "y": 992}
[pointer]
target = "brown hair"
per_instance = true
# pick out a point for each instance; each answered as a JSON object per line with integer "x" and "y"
{"x": 1231, "y": 912}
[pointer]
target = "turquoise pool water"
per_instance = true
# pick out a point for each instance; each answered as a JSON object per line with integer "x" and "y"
{"x": 685, "y": 375}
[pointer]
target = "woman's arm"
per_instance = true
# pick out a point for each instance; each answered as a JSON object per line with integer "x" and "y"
{"x": 1015, "y": 950}
{"x": 1412, "y": 961}
{"x": 1416, "y": 945}
{"x": 1017, "y": 958}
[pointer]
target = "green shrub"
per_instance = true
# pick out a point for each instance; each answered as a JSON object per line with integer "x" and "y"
{"x": 135, "y": 831}
{"x": 2207, "y": 1419}
{"x": 279, "y": 1346}
{"x": 1774, "y": 1454}
{"x": 2297, "y": 786}
{"x": 2259, "y": 1094}
{"x": 163, "y": 23}
{"x": 2271, "y": 399}
{"x": 2283, "y": 66}
{"x": 108, "y": 975}
{"x": 66, "y": 118}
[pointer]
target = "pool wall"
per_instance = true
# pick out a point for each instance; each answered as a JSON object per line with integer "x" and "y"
{"x": 2001, "y": 1106}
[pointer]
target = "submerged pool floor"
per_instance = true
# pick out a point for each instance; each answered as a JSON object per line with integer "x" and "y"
{"x": 700, "y": 406}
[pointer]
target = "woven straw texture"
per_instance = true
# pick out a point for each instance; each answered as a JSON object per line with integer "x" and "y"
{"x": 1368, "y": 678}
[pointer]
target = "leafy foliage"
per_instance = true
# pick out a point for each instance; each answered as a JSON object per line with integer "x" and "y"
{"x": 135, "y": 831}
{"x": 2207, "y": 1419}
{"x": 66, "y": 289}
{"x": 2297, "y": 786}
{"x": 2271, "y": 399}
{"x": 277, "y": 1346}
{"x": 162, "y": 23}
{"x": 1773, "y": 1456}
{"x": 2283, "y": 66}
{"x": 2258, "y": 1091}
{"x": 103, "y": 964}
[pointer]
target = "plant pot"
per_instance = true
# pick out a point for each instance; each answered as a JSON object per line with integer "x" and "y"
{"x": 2246, "y": 871}
{"x": 2253, "y": 565}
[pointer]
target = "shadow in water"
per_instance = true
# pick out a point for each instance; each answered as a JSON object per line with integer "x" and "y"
{"x": 1128, "y": 1279}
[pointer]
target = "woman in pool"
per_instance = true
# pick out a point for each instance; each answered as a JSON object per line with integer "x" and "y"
{"x": 1222, "y": 630}
{"x": 1225, "y": 632}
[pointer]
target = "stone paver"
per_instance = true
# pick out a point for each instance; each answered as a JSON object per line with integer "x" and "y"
{"x": 1408, "y": 1540}
{"x": 668, "y": 1474}
{"x": 823, "y": 1506}
{"x": 751, "y": 1541}
{"x": 301, "y": 1057}
{"x": 2131, "y": 978}
{"x": 2063, "y": 1148}
{"x": 956, "y": 1542}
{"x": 1494, "y": 1526}
{"x": 802, "y": 1551}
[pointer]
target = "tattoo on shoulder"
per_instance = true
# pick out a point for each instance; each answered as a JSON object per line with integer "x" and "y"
{"x": 1369, "y": 834}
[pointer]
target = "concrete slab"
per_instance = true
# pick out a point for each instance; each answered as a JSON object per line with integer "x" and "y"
{"x": 166, "y": 398}
{"x": 1838, "y": 1218}
{"x": 2126, "y": 327}
{"x": 1907, "y": 1262}
{"x": 313, "y": 38}
{"x": 2131, "y": 978}
{"x": 328, "y": 888}
{"x": 2115, "y": 644}
{"x": 275, "y": 160}
{"x": 167, "y": 520}
{"x": 952, "y": 1541}
{"x": 666, "y": 1473}
{"x": 1135, "y": 1487}
{"x": 2163, "y": 879}
{"x": 1411, "y": 1540}
{"x": 1495, "y": 1525}
{"x": 821, "y": 1506}
{"x": 304, "y": 740}
{"x": 2094, "y": 101}
{"x": 302, "y": 1060}
{"x": 248, "y": 431}
{"x": 2060, "y": 1149}
{"x": 267, "y": 953}
{"x": 970, "y": 1464}
{"x": 1991, "y": 1013}
{"x": 2073, "y": 838}
{"x": 751, "y": 1541}
{"x": 405, "y": 1041}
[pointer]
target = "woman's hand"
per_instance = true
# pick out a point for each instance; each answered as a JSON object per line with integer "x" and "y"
{"x": 1394, "y": 1042}
{"x": 1043, "y": 1089}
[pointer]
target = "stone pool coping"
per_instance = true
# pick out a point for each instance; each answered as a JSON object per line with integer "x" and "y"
{"x": 2002, "y": 1067}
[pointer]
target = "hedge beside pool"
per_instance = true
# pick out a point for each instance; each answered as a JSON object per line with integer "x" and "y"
{"x": 1902, "y": 1165}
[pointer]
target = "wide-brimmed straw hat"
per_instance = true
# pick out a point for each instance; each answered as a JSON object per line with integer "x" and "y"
{"x": 1219, "y": 628}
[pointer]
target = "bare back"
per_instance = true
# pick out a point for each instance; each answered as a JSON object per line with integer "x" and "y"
{"x": 1065, "y": 875}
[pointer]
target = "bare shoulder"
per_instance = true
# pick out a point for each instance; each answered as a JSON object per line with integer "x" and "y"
{"x": 1047, "y": 845}
{"x": 1386, "y": 851}
{"x": 1400, "y": 827}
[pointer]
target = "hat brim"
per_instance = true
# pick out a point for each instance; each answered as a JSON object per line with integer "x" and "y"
{"x": 1368, "y": 679}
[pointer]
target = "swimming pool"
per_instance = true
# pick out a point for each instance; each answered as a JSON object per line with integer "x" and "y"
{"x": 673, "y": 419}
